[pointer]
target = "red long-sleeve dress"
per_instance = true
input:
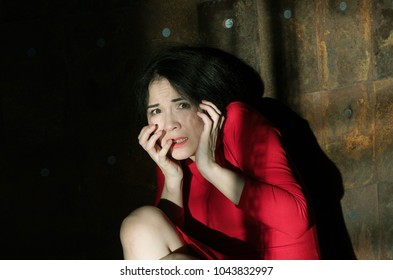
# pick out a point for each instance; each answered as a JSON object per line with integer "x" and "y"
{"x": 272, "y": 219}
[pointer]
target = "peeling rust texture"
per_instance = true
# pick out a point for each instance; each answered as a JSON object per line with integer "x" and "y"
{"x": 384, "y": 129}
{"x": 383, "y": 39}
{"x": 386, "y": 210}
{"x": 350, "y": 137}
{"x": 361, "y": 216}
{"x": 344, "y": 37}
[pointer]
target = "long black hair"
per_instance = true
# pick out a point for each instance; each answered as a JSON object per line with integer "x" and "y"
{"x": 200, "y": 73}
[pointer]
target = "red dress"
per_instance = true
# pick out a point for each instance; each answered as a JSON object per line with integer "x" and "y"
{"x": 272, "y": 219}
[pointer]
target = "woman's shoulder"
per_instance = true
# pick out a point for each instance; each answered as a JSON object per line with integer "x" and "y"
{"x": 245, "y": 131}
{"x": 243, "y": 120}
{"x": 237, "y": 105}
{"x": 240, "y": 112}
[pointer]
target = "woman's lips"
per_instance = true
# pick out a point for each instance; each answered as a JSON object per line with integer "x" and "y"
{"x": 179, "y": 141}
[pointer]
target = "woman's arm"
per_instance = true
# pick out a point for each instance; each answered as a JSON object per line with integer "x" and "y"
{"x": 167, "y": 204}
{"x": 173, "y": 191}
{"x": 271, "y": 192}
{"x": 229, "y": 183}
{"x": 263, "y": 186}
{"x": 226, "y": 181}
{"x": 170, "y": 168}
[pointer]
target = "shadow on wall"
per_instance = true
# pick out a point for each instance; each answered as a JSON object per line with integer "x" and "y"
{"x": 319, "y": 174}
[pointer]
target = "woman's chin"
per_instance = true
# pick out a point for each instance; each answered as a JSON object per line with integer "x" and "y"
{"x": 177, "y": 155}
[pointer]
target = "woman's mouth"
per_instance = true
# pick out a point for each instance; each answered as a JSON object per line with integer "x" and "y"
{"x": 180, "y": 141}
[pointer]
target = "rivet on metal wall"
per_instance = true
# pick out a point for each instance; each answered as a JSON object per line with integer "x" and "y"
{"x": 348, "y": 113}
{"x": 287, "y": 14}
{"x": 166, "y": 32}
{"x": 111, "y": 160}
{"x": 228, "y": 23}
{"x": 352, "y": 215}
{"x": 101, "y": 42}
{"x": 45, "y": 172}
{"x": 31, "y": 52}
{"x": 343, "y": 6}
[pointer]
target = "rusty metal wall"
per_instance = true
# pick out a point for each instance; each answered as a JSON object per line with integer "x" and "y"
{"x": 71, "y": 167}
{"x": 337, "y": 73}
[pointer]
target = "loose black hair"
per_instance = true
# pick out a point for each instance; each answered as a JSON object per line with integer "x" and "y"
{"x": 200, "y": 73}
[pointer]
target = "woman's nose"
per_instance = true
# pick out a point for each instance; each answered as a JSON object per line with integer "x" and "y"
{"x": 171, "y": 122}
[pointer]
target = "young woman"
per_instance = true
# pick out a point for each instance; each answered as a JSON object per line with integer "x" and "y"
{"x": 225, "y": 189}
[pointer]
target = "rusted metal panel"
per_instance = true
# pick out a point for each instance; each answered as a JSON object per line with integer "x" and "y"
{"x": 248, "y": 40}
{"x": 218, "y": 24}
{"x": 386, "y": 221}
{"x": 384, "y": 129}
{"x": 319, "y": 42}
{"x": 169, "y": 22}
{"x": 350, "y": 133}
{"x": 265, "y": 47}
{"x": 344, "y": 34}
{"x": 383, "y": 39}
{"x": 231, "y": 25}
{"x": 296, "y": 54}
{"x": 362, "y": 219}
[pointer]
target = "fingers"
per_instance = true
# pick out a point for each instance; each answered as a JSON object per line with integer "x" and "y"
{"x": 152, "y": 142}
{"x": 211, "y": 110}
{"x": 210, "y": 104}
{"x": 145, "y": 133}
{"x": 148, "y": 138}
{"x": 164, "y": 150}
{"x": 206, "y": 120}
{"x": 212, "y": 114}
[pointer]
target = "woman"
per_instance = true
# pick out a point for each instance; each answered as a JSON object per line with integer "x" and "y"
{"x": 225, "y": 187}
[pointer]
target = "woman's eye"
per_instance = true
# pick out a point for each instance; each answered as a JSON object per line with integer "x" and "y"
{"x": 184, "y": 105}
{"x": 155, "y": 112}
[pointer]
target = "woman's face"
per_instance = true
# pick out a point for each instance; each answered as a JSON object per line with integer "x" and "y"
{"x": 177, "y": 117}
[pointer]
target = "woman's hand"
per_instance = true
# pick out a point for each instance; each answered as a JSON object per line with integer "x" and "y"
{"x": 205, "y": 154}
{"x": 226, "y": 181}
{"x": 148, "y": 139}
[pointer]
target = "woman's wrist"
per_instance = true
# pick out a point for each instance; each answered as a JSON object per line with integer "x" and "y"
{"x": 210, "y": 171}
{"x": 173, "y": 183}
{"x": 173, "y": 190}
{"x": 229, "y": 183}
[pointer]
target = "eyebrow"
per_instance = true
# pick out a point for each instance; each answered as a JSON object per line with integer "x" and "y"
{"x": 173, "y": 101}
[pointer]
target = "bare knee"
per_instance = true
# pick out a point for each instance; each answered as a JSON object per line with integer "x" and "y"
{"x": 138, "y": 222}
{"x": 148, "y": 234}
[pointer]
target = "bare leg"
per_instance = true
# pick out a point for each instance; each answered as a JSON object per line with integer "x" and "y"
{"x": 148, "y": 234}
{"x": 182, "y": 253}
